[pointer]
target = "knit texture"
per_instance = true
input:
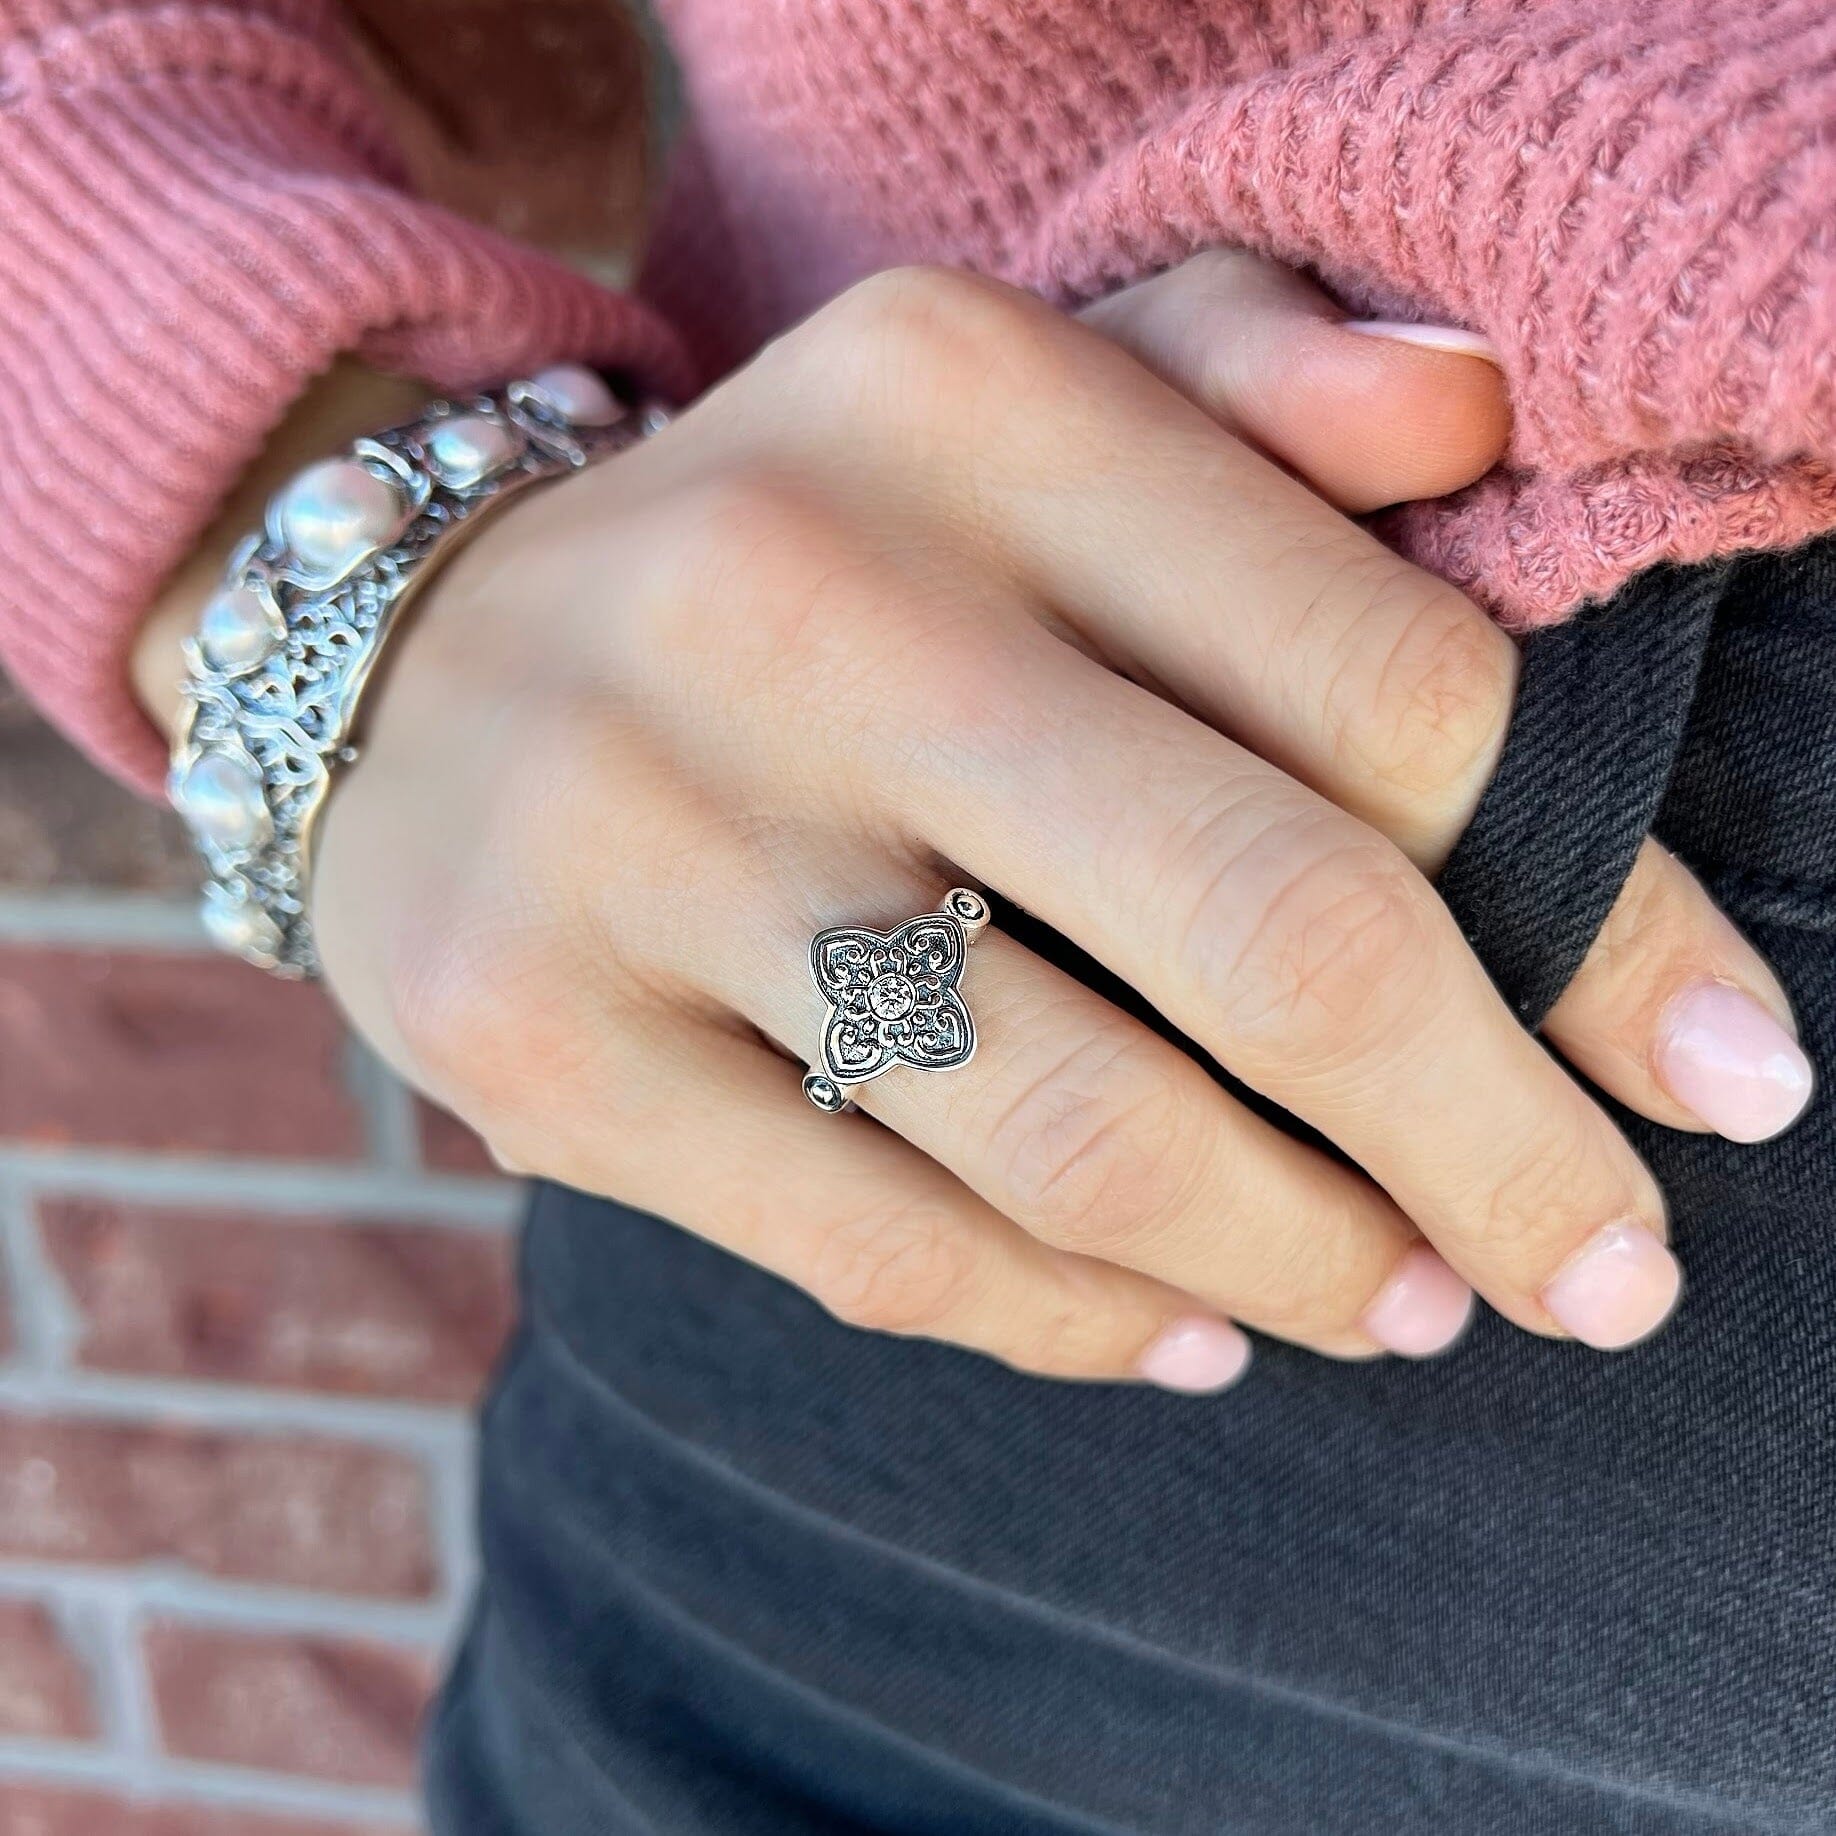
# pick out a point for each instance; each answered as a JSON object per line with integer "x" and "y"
{"x": 198, "y": 208}
{"x": 1635, "y": 201}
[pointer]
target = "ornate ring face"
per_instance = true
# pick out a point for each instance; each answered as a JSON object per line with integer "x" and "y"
{"x": 894, "y": 997}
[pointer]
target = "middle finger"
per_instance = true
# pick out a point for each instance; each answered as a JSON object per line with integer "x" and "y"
{"x": 1097, "y": 1136}
{"x": 1293, "y": 942}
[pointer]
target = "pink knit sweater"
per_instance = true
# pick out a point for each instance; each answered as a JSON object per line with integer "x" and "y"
{"x": 1635, "y": 201}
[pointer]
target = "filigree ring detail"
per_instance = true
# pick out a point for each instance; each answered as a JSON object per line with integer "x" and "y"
{"x": 894, "y": 997}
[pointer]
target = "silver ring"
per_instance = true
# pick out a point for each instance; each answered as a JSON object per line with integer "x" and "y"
{"x": 895, "y": 997}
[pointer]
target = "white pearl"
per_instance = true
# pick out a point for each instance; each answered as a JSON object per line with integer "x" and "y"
{"x": 578, "y": 395}
{"x": 240, "y": 926}
{"x": 237, "y": 630}
{"x": 220, "y": 796}
{"x": 467, "y": 447}
{"x": 336, "y": 513}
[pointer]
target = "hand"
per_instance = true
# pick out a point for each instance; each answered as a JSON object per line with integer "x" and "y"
{"x": 874, "y": 618}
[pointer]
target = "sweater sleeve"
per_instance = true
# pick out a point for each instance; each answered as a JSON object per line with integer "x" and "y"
{"x": 199, "y": 210}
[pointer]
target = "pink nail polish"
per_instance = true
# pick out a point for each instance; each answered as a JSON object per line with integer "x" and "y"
{"x": 1422, "y": 1309}
{"x": 1731, "y": 1064}
{"x": 1196, "y": 1355}
{"x": 1616, "y": 1289}
{"x": 1428, "y": 337}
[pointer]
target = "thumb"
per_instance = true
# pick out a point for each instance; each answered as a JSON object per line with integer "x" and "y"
{"x": 1369, "y": 413}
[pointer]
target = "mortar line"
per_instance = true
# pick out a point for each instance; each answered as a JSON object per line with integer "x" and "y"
{"x": 33, "y": 1292}
{"x": 125, "y": 1691}
{"x": 102, "y": 920}
{"x": 422, "y": 1429}
{"x": 411, "y": 1626}
{"x": 278, "y": 1188}
{"x": 83, "y": 1625}
{"x": 388, "y": 1109}
{"x": 191, "y": 1781}
{"x": 450, "y": 1514}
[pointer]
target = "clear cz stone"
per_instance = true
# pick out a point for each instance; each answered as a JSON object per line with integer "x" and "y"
{"x": 337, "y": 513}
{"x": 240, "y": 926}
{"x": 237, "y": 630}
{"x": 578, "y": 395}
{"x": 466, "y": 448}
{"x": 891, "y": 997}
{"x": 221, "y": 797}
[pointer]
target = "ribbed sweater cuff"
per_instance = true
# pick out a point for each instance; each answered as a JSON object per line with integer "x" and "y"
{"x": 199, "y": 210}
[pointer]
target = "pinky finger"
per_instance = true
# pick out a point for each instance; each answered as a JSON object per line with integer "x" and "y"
{"x": 879, "y": 1234}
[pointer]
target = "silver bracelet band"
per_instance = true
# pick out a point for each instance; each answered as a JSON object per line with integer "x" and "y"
{"x": 277, "y": 667}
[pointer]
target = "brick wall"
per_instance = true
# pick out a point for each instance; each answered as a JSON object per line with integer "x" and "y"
{"x": 248, "y": 1288}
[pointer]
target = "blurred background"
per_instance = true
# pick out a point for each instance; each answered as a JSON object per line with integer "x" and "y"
{"x": 249, "y": 1286}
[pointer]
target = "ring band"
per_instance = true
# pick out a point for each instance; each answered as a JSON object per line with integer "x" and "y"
{"x": 894, "y": 997}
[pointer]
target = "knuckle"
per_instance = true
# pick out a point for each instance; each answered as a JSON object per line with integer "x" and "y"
{"x": 784, "y": 604}
{"x": 918, "y": 349}
{"x": 1541, "y": 1195}
{"x": 1070, "y": 1335}
{"x": 905, "y": 1269}
{"x": 1307, "y": 1297}
{"x": 1429, "y": 723}
{"x": 936, "y": 314}
{"x": 1654, "y": 940}
{"x": 742, "y": 559}
{"x": 1338, "y": 947}
{"x": 484, "y": 1021}
{"x": 1098, "y": 1150}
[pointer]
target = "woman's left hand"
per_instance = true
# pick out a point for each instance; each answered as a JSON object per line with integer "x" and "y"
{"x": 1258, "y": 915}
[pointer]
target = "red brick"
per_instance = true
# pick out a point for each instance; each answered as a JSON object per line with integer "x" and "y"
{"x": 43, "y": 1810}
{"x": 180, "y": 1052}
{"x": 44, "y": 1692}
{"x": 448, "y": 1146}
{"x": 337, "y": 1709}
{"x": 364, "y": 1308}
{"x": 295, "y": 1511}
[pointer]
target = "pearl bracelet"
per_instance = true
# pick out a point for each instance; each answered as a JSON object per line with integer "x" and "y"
{"x": 277, "y": 666}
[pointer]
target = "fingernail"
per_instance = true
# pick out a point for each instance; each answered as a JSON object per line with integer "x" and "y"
{"x": 1428, "y": 337}
{"x": 1616, "y": 1288}
{"x": 1730, "y": 1063}
{"x": 1196, "y": 1356}
{"x": 1421, "y": 1309}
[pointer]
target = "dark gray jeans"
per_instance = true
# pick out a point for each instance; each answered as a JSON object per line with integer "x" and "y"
{"x": 749, "y": 1571}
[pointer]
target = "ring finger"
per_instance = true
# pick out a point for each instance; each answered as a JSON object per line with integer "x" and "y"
{"x": 865, "y": 1224}
{"x": 1292, "y": 942}
{"x": 1097, "y": 1137}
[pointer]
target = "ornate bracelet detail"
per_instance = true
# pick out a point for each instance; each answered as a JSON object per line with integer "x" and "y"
{"x": 281, "y": 655}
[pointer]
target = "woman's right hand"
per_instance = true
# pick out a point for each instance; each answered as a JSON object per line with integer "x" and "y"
{"x": 947, "y": 587}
